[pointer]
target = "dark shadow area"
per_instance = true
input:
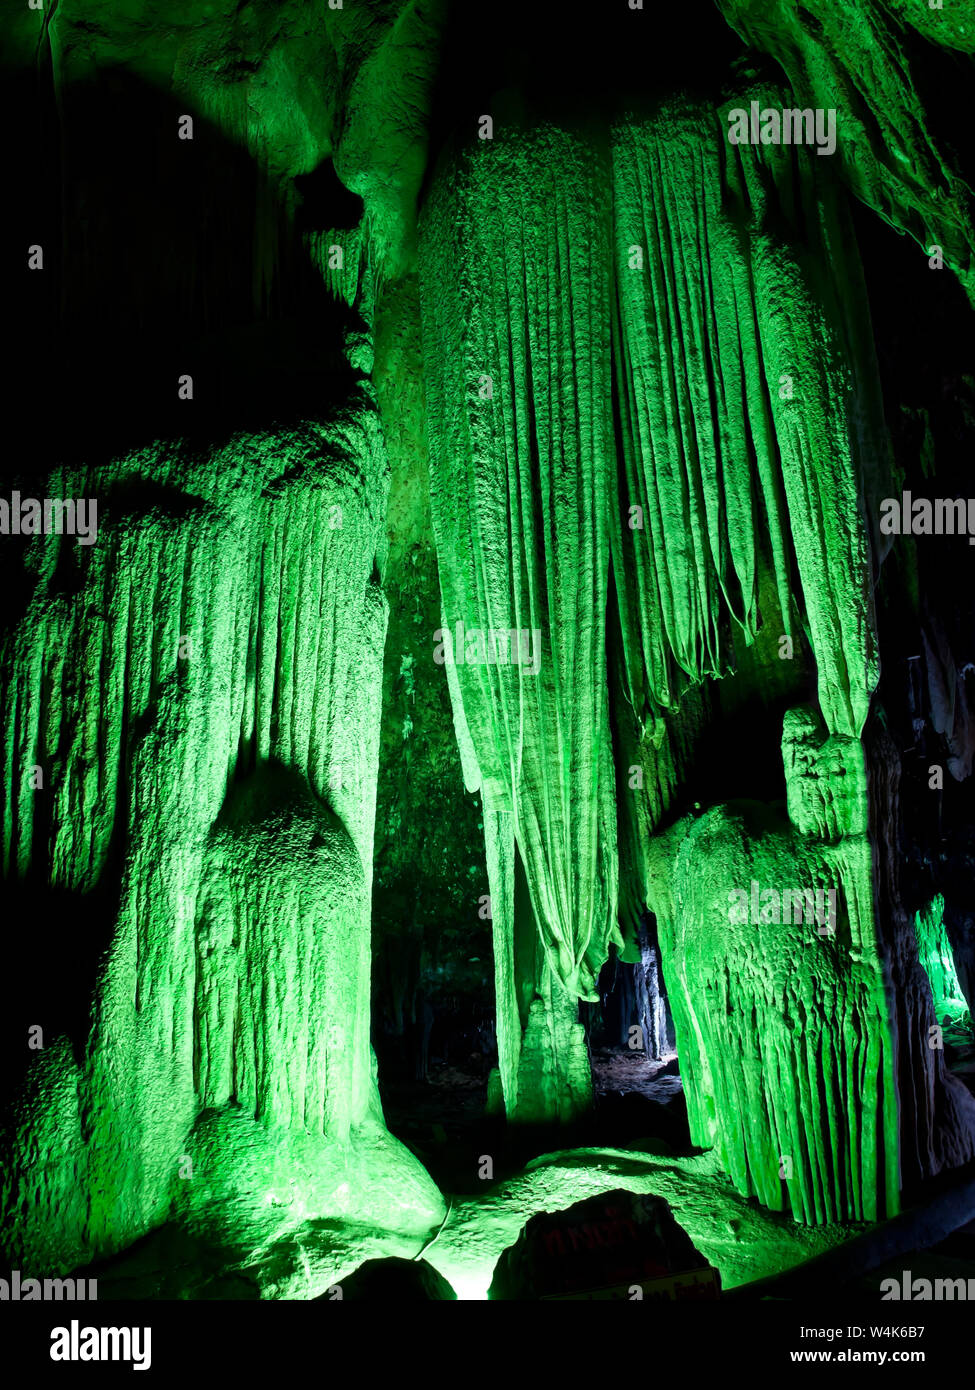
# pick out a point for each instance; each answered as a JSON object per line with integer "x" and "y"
{"x": 533, "y": 61}
{"x": 55, "y": 944}
{"x": 163, "y": 258}
{"x": 621, "y": 1245}
{"x": 392, "y": 1281}
{"x": 164, "y": 1263}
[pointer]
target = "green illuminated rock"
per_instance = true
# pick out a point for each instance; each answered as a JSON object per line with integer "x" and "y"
{"x": 781, "y": 1015}
{"x": 934, "y": 950}
{"x": 223, "y": 652}
{"x": 738, "y": 427}
{"x": 739, "y": 1238}
{"x": 741, "y": 433}
{"x": 518, "y": 399}
{"x": 855, "y": 56}
{"x": 635, "y": 363}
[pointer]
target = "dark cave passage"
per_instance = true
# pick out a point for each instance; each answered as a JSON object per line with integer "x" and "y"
{"x": 433, "y": 1083}
{"x": 637, "y": 1088}
{"x": 436, "y": 1048}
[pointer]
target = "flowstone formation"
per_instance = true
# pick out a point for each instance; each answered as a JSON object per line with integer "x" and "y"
{"x": 743, "y": 407}
{"x": 228, "y": 764}
{"x": 484, "y": 577}
{"x": 781, "y": 1017}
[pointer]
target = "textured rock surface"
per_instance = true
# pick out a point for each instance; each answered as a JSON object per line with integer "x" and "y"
{"x": 643, "y": 384}
{"x": 738, "y": 1238}
{"x": 782, "y": 1024}
{"x": 745, "y": 404}
{"x": 518, "y": 401}
{"x": 227, "y": 763}
{"x": 853, "y": 56}
{"x": 293, "y": 86}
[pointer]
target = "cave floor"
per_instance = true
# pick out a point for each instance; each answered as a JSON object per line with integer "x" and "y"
{"x": 618, "y": 1071}
{"x": 951, "y": 1258}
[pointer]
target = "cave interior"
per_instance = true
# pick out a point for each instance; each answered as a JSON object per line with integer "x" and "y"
{"x": 494, "y": 465}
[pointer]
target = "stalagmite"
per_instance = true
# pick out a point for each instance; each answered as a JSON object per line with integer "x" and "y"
{"x": 222, "y": 649}
{"x": 732, "y": 388}
{"x": 446, "y": 562}
{"x": 781, "y": 1016}
{"x": 934, "y": 950}
{"x": 737, "y": 385}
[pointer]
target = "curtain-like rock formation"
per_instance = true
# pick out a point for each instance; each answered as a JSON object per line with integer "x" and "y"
{"x": 739, "y": 443}
{"x": 516, "y": 322}
{"x": 638, "y": 365}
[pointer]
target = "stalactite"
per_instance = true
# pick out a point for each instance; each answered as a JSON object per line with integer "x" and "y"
{"x": 740, "y": 433}
{"x": 696, "y": 426}
{"x": 516, "y": 334}
{"x": 338, "y": 254}
{"x": 499, "y": 840}
{"x": 656, "y": 452}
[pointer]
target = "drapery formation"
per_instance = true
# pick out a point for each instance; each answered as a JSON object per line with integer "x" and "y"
{"x": 636, "y": 370}
{"x": 738, "y": 433}
{"x": 519, "y": 406}
{"x": 517, "y": 312}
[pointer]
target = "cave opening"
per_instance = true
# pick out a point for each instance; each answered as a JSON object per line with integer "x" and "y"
{"x": 616, "y": 1245}
{"x": 433, "y": 1025}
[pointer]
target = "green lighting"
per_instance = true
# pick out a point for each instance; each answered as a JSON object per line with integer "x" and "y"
{"x": 934, "y": 950}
